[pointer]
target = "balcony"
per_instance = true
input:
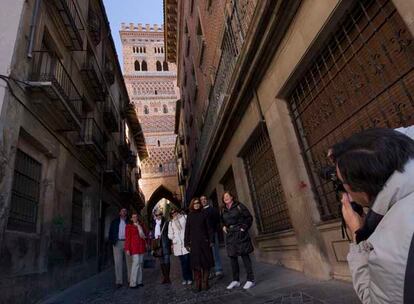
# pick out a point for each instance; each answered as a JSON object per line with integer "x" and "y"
{"x": 237, "y": 25}
{"x": 91, "y": 74}
{"x": 70, "y": 19}
{"x": 92, "y": 138}
{"x": 110, "y": 114}
{"x": 127, "y": 188}
{"x": 132, "y": 159}
{"x": 94, "y": 27}
{"x": 63, "y": 105}
{"x": 109, "y": 72}
{"x": 113, "y": 166}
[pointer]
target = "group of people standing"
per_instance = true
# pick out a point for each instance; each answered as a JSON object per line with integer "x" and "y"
{"x": 192, "y": 237}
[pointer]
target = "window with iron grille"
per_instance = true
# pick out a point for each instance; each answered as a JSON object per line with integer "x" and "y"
{"x": 77, "y": 211}
{"x": 362, "y": 78}
{"x": 25, "y": 193}
{"x": 267, "y": 193}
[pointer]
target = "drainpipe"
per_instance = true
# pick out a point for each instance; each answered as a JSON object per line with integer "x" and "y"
{"x": 33, "y": 28}
{"x": 99, "y": 244}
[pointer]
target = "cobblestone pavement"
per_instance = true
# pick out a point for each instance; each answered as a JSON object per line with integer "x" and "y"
{"x": 275, "y": 285}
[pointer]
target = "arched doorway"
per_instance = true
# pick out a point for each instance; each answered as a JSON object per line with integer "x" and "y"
{"x": 158, "y": 195}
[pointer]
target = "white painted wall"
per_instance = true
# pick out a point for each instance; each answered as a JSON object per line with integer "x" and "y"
{"x": 10, "y": 13}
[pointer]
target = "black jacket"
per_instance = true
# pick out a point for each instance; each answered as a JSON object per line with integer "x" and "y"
{"x": 238, "y": 221}
{"x": 198, "y": 237}
{"x": 213, "y": 217}
{"x": 165, "y": 241}
{"x": 114, "y": 230}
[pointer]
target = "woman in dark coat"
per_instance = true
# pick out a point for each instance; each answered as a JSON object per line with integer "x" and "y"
{"x": 198, "y": 240}
{"x": 237, "y": 221}
{"x": 162, "y": 245}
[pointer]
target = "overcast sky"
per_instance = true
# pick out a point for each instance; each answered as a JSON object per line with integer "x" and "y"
{"x": 136, "y": 11}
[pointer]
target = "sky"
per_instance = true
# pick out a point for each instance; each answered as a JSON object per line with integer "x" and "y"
{"x": 136, "y": 11}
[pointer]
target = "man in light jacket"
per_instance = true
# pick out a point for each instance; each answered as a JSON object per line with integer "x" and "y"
{"x": 376, "y": 168}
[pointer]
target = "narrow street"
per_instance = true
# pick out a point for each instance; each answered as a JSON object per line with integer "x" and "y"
{"x": 275, "y": 284}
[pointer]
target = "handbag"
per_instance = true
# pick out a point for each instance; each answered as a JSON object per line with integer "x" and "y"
{"x": 156, "y": 245}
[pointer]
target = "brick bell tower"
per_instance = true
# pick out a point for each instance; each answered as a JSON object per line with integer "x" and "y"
{"x": 151, "y": 84}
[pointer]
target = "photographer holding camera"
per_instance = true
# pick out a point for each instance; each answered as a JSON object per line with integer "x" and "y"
{"x": 376, "y": 168}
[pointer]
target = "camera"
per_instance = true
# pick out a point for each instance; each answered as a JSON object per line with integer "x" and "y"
{"x": 328, "y": 173}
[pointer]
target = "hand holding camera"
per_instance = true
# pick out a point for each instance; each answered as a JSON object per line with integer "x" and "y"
{"x": 353, "y": 220}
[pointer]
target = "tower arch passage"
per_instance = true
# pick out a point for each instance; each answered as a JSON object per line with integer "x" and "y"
{"x": 162, "y": 192}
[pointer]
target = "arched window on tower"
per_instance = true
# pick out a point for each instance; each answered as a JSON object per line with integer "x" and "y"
{"x": 158, "y": 66}
{"x": 145, "y": 49}
{"x": 133, "y": 49}
{"x": 164, "y": 109}
{"x": 144, "y": 65}
{"x": 155, "y": 50}
{"x": 136, "y": 65}
{"x": 159, "y": 51}
{"x": 140, "y": 49}
{"x": 160, "y": 168}
{"x": 146, "y": 110}
{"x": 159, "y": 143}
{"x": 165, "y": 66}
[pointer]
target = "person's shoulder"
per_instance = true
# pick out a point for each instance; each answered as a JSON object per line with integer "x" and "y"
{"x": 115, "y": 220}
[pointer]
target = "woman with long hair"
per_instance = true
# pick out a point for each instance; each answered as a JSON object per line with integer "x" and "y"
{"x": 135, "y": 235}
{"x": 161, "y": 245}
{"x": 198, "y": 241}
{"x": 237, "y": 221}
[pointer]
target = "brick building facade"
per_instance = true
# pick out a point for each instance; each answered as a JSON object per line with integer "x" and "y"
{"x": 151, "y": 84}
{"x": 267, "y": 87}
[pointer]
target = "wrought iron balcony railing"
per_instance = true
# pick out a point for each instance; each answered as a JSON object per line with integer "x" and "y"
{"x": 50, "y": 76}
{"x": 132, "y": 159}
{"x": 111, "y": 114}
{"x": 92, "y": 138}
{"x": 237, "y": 25}
{"x": 94, "y": 26}
{"x": 71, "y": 20}
{"x": 113, "y": 168}
{"x": 92, "y": 75}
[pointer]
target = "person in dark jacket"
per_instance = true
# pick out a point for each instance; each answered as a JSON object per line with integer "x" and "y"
{"x": 213, "y": 216}
{"x": 198, "y": 241}
{"x": 117, "y": 239}
{"x": 237, "y": 221}
{"x": 161, "y": 236}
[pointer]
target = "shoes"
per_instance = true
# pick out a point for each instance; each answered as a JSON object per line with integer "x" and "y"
{"x": 118, "y": 286}
{"x": 184, "y": 283}
{"x": 140, "y": 285}
{"x": 219, "y": 275}
{"x": 249, "y": 284}
{"x": 233, "y": 284}
{"x": 134, "y": 287}
{"x": 189, "y": 282}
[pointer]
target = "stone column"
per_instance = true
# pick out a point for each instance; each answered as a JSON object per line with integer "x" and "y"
{"x": 299, "y": 198}
{"x": 243, "y": 190}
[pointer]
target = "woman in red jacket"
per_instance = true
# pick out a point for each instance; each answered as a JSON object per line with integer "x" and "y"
{"x": 135, "y": 235}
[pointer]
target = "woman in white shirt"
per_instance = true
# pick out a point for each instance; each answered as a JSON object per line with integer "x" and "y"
{"x": 176, "y": 233}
